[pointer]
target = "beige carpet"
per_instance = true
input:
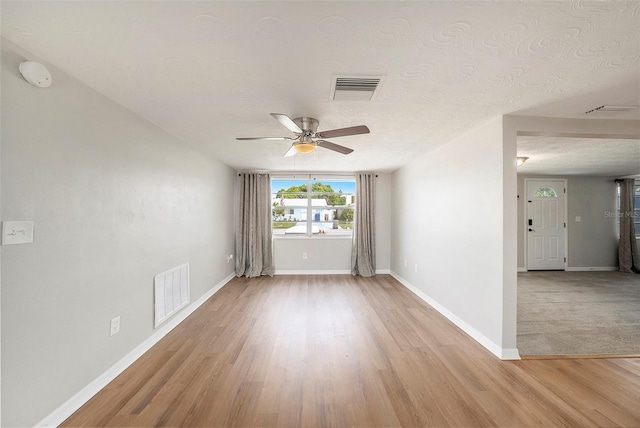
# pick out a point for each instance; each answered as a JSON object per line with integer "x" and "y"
{"x": 578, "y": 313}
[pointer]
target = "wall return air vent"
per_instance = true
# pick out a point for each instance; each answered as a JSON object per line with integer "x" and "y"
{"x": 355, "y": 88}
{"x": 609, "y": 110}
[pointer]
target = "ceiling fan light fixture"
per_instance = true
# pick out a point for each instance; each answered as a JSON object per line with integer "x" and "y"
{"x": 305, "y": 129}
{"x": 305, "y": 147}
{"x": 521, "y": 160}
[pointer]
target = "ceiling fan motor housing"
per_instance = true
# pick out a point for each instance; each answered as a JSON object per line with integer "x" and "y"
{"x": 308, "y": 124}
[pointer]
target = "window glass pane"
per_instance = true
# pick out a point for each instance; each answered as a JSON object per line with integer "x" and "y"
{"x": 295, "y": 228}
{"x": 289, "y": 189}
{"x": 329, "y": 206}
{"x": 636, "y": 213}
{"x": 334, "y": 201}
{"x": 545, "y": 192}
{"x": 289, "y": 206}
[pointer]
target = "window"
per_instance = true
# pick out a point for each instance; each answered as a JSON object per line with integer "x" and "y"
{"x": 545, "y": 192}
{"x": 312, "y": 206}
{"x": 636, "y": 210}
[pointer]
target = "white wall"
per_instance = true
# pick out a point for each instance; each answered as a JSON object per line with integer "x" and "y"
{"x": 115, "y": 201}
{"x": 592, "y": 242}
{"x": 327, "y": 254}
{"x": 447, "y": 222}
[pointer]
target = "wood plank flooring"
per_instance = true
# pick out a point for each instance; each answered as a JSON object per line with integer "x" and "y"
{"x": 337, "y": 350}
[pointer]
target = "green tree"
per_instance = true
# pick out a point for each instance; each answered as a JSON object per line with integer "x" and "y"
{"x": 321, "y": 191}
{"x": 346, "y": 215}
{"x": 276, "y": 212}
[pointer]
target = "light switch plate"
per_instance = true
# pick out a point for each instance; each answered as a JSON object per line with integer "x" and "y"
{"x": 17, "y": 232}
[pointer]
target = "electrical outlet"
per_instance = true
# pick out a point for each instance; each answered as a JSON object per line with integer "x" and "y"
{"x": 115, "y": 326}
{"x": 304, "y": 256}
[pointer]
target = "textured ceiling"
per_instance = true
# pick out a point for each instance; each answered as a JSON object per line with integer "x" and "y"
{"x": 208, "y": 72}
{"x": 579, "y": 156}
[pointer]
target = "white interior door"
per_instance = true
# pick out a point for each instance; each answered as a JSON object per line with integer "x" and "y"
{"x": 545, "y": 224}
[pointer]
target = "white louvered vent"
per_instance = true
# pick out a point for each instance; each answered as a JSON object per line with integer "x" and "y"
{"x": 171, "y": 292}
{"x": 355, "y": 88}
{"x": 610, "y": 110}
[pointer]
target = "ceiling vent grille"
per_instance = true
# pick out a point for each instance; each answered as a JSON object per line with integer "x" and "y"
{"x": 610, "y": 110}
{"x": 355, "y": 88}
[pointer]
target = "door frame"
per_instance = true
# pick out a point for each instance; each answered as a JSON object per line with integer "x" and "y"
{"x": 565, "y": 220}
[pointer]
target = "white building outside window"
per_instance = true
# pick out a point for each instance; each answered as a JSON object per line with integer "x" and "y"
{"x": 313, "y": 205}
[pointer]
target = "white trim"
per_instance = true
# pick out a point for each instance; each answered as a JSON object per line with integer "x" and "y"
{"x": 502, "y": 353}
{"x": 522, "y": 269}
{"x": 59, "y": 415}
{"x": 510, "y": 354}
{"x": 314, "y": 272}
{"x": 326, "y": 272}
{"x": 592, "y": 269}
{"x": 283, "y": 237}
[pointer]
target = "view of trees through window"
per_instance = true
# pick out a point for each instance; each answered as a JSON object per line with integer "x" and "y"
{"x": 312, "y": 206}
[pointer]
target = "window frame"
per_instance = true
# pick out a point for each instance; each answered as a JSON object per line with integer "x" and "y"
{"x": 309, "y": 207}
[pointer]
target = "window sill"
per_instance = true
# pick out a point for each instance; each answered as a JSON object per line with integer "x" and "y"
{"x": 317, "y": 236}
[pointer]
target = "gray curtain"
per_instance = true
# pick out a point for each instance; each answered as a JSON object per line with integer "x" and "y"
{"x": 254, "y": 249}
{"x": 628, "y": 247}
{"x": 363, "y": 253}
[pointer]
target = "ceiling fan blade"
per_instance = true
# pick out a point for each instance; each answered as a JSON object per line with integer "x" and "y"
{"x": 287, "y": 122}
{"x": 265, "y": 138}
{"x": 291, "y": 152}
{"x": 335, "y": 147}
{"x": 343, "y": 132}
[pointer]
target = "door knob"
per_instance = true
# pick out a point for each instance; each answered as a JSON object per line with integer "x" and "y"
{"x": 531, "y": 230}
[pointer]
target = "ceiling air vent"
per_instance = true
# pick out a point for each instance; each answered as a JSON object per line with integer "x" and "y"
{"x": 355, "y": 88}
{"x": 610, "y": 110}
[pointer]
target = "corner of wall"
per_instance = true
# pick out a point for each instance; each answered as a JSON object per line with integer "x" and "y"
{"x": 494, "y": 348}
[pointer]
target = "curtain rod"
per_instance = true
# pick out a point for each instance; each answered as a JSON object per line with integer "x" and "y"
{"x": 301, "y": 173}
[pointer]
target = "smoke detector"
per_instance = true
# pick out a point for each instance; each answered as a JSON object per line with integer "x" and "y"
{"x": 36, "y": 74}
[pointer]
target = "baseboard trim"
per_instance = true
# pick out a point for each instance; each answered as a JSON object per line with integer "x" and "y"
{"x": 59, "y": 415}
{"x": 326, "y": 272}
{"x": 510, "y": 354}
{"x": 314, "y": 272}
{"x": 522, "y": 269}
{"x": 502, "y": 353}
{"x": 592, "y": 269}
{"x": 578, "y": 357}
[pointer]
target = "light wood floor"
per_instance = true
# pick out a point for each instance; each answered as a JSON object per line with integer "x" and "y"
{"x": 344, "y": 351}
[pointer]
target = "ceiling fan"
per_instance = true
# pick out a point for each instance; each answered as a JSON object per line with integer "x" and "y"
{"x": 305, "y": 130}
